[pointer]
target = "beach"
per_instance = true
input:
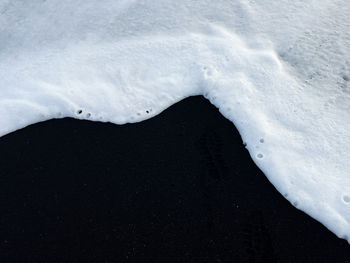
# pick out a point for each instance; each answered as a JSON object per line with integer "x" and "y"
{"x": 179, "y": 187}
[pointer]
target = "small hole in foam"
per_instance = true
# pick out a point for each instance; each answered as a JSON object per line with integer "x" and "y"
{"x": 147, "y": 111}
{"x": 262, "y": 140}
{"x": 346, "y": 199}
{"x": 260, "y": 156}
{"x": 88, "y": 115}
{"x": 79, "y": 112}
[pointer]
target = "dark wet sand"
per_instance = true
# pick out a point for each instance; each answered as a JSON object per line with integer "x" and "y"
{"x": 176, "y": 188}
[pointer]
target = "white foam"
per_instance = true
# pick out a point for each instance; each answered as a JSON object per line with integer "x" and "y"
{"x": 278, "y": 70}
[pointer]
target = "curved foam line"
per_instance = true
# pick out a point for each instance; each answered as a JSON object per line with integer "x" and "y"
{"x": 137, "y": 78}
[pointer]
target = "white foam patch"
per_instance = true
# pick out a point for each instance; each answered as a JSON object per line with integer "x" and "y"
{"x": 279, "y": 70}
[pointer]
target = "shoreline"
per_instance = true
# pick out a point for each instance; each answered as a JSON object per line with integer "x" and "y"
{"x": 179, "y": 186}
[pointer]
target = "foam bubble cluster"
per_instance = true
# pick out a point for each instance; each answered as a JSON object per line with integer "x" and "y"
{"x": 280, "y": 78}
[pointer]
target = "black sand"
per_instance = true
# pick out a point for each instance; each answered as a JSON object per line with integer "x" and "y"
{"x": 176, "y": 188}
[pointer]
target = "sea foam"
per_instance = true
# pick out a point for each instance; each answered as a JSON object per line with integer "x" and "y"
{"x": 279, "y": 71}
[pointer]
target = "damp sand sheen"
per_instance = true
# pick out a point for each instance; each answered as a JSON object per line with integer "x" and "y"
{"x": 279, "y": 71}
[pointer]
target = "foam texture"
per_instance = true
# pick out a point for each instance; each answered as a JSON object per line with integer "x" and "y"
{"x": 279, "y": 70}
